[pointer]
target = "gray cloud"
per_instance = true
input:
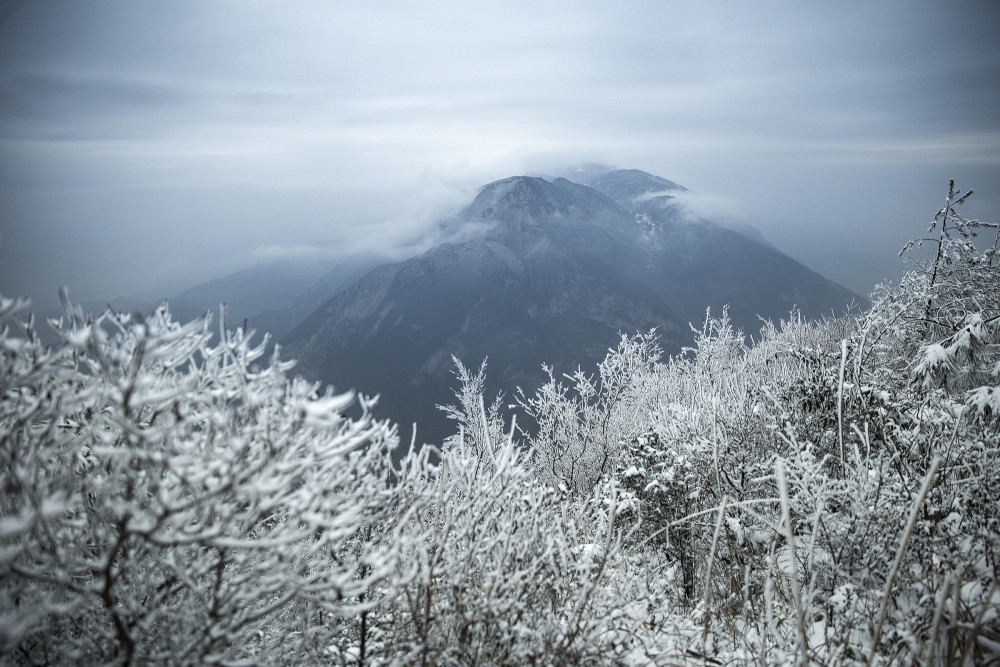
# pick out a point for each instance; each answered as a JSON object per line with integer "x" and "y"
{"x": 145, "y": 142}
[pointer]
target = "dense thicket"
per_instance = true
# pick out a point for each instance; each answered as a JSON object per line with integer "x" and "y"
{"x": 828, "y": 494}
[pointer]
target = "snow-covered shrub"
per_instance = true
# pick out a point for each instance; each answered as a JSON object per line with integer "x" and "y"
{"x": 828, "y": 494}
{"x": 166, "y": 500}
{"x": 898, "y": 560}
{"x": 940, "y": 327}
{"x": 581, "y": 425}
{"x": 880, "y": 539}
{"x": 502, "y": 569}
{"x": 480, "y": 429}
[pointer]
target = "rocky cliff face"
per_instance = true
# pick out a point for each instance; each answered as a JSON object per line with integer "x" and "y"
{"x": 558, "y": 270}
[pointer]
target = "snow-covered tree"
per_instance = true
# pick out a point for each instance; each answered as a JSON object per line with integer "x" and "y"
{"x": 580, "y": 425}
{"x": 167, "y": 500}
{"x": 501, "y": 568}
{"x": 480, "y": 429}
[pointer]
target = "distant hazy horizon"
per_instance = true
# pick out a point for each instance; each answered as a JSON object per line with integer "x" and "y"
{"x": 164, "y": 144}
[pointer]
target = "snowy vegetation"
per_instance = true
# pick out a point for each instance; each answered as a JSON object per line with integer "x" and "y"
{"x": 829, "y": 494}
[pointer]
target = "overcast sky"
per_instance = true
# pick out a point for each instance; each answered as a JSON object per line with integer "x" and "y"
{"x": 151, "y": 143}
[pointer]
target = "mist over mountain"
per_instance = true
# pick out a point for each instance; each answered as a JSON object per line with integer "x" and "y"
{"x": 271, "y": 298}
{"x": 250, "y": 291}
{"x": 556, "y": 270}
{"x": 277, "y": 316}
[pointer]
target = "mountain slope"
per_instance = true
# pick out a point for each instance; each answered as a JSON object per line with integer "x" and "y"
{"x": 250, "y": 291}
{"x": 558, "y": 271}
{"x": 628, "y": 186}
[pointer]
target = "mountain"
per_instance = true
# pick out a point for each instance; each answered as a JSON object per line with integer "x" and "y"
{"x": 282, "y": 315}
{"x": 275, "y": 296}
{"x": 250, "y": 291}
{"x": 629, "y": 187}
{"x": 633, "y": 189}
{"x": 558, "y": 269}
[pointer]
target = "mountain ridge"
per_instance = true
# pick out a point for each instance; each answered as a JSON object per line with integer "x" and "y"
{"x": 557, "y": 270}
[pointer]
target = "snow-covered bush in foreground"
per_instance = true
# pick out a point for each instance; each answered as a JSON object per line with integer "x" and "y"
{"x": 501, "y": 569}
{"x": 165, "y": 500}
{"x": 832, "y": 493}
{"x": 582, "y": 425}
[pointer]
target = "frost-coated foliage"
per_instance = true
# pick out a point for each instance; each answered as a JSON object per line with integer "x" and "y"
{"x": 168, "y": 500}
{"x": 501, "y": 570}
{"x": 582, "y": 425}
{"x": 165, "y": 500}
{"x": 828, "y": 494}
